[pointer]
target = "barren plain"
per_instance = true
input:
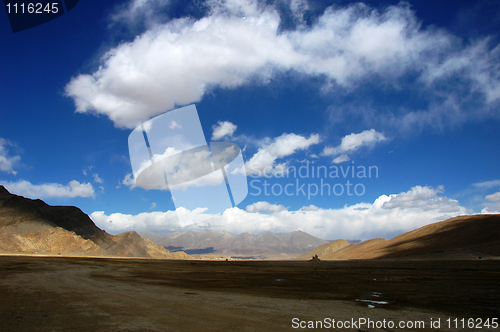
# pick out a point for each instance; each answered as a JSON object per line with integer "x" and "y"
{"x": 106, "y": 294}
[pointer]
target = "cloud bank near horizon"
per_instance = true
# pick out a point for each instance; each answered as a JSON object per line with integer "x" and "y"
{"x": 387, "y": 216}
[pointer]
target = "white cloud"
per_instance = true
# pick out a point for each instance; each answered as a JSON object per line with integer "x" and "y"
{"x": 424, "y": 199}
{"x": 129, "y": 180}
{"x": 489, "y": 211}
{"x": 264, "y": 207}
{"x": 153, "y": 205}
{"x": 474, "y": 62}
{"x": 7, "y": 162}
{"x": 97, "y": 179}
{"x": 140, "y": 11}
{"x": 156, "y": 220}
{"x": 87, "y": 169}
{"x": 493, "y": 197}
{"x": 311, "y": 207}
{"x": 176, "y": 63}
{"x": 353, "y": 142}
{"x": 223, "y": 128}
{"x": 482, "y": 195}
{"x": 487, "y": 184}
{"x": 48, "y": 190}
{"x": 387, "y": 216}
{"x": 341, "y": 159}
{"x": 263, "y": 163}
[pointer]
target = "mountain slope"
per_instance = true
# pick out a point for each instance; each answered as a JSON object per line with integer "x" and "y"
{"x": 325, "y": 249}
{"x": 464, "y": 236}
{"x": 29, "y": 226}
{"x": 266, "y": 245}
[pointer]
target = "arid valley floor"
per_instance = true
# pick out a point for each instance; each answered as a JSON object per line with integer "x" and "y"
{"x": 104, "y": 294}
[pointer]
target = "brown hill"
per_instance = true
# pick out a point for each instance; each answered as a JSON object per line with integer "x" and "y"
{"x": 32, "y": 226}
{"x": 266, "y": 245}
{"x": 358, "y": 249}
{"x": 325, "y": 249}
{"x": 459, "y": 237}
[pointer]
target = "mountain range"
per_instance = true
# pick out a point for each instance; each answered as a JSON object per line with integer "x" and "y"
{"x": 30, "y": 226}
{"x": 266, "y": 245}
{"x": 33, "y": 227}
{"x": 464, "y": 237}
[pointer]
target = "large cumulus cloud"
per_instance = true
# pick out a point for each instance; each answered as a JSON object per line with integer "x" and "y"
{"x": 177, "y": 62}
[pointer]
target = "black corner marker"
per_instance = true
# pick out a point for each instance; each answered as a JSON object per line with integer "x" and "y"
{"x": 28, "y": 14}
{"x": 70, "y": 4}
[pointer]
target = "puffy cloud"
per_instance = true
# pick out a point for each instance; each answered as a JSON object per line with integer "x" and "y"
{"x": 424, "y": 199}
{"x": 129, "y": 181}
{"x": 419, "y": 196}
{"x": 177, "y": 62}
{"x": 156, "y": 220}
{"x": 48, "y": 190}
{"x": 223, "y": 128}
{"x": 311, "y": 207}
{"x": 7, "y": 162}
{"x": 263, "y": 162}
{"x": 341, "y": 159}
{"x": 493, "y": 197}
{"x": 489, "y": 211}
{"x": 387, "y": 216}
{"x": 351, "y": 143}
{"x": 423, "y": 206}
{"x": 484, "y": 197}
{"x": 264, "y": 207}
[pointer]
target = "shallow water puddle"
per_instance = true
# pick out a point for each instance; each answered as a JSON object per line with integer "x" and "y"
{"x": 373, "y": 303}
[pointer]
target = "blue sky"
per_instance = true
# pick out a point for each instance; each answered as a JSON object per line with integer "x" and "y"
{"x": 411, "y": 90}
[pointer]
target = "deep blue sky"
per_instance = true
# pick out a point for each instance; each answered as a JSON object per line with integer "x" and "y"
{"x": 411, "y": 88}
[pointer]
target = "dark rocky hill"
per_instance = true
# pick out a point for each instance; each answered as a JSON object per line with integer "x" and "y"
{"x": 31, "y": 226}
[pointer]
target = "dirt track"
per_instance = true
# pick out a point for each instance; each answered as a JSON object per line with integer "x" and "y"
{"x": 96, "y": 294}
